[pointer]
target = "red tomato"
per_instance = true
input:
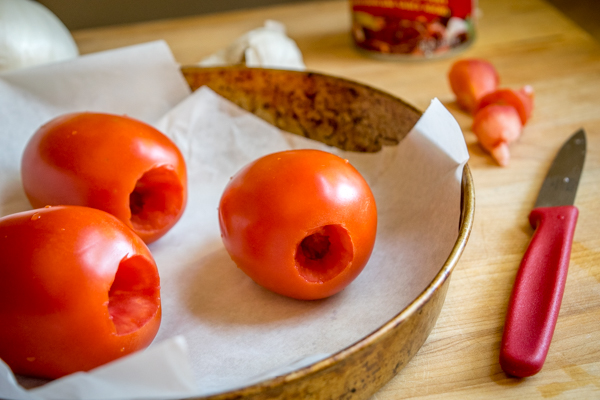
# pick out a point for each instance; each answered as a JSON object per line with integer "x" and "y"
{"x": 110, "y": 162}
{"x": 301, "y": 223}
{"x": 78, "y": 289}
{"x": 471, "y": 79}
{"x": 496, "y": 127}
{"x": 521, "y": 100}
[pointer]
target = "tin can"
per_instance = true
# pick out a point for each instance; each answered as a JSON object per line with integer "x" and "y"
{"x": 412, "y": 28}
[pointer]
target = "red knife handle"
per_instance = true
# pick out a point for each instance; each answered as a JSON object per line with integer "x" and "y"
{"x": 538, "y": 290}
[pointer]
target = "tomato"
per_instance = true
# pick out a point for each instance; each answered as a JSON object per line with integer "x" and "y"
{"x": 521, "y": 100}
{"x": 470, "y": 80}
{"x": 78, "y": 289}
{"x": 301, "y": 223}
{"x": 496, "y": 126}
{"x": 110, "y": 162}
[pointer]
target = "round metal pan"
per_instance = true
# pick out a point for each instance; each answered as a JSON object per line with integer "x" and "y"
{"x": 355, "y": 117}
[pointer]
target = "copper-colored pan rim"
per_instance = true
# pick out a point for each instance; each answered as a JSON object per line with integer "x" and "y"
{"x": 191, "y": 68}
{"x": 237, "y": 70}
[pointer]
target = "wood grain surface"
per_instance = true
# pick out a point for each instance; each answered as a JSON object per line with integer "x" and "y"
{"x": 530, "y": 42}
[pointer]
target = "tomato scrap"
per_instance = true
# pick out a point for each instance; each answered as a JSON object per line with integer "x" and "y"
{"x": 470, "y": 80}
{"x": 521, "y": 100}
{"x": 474, "y": 82}
{"x": 301, "y": 223}
{"x": 78, "y": 289}
{"x": 496, "y": 126}
{"x": 110, "y": 162}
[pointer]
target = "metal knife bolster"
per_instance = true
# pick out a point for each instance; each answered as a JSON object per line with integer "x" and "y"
{"x": 537, "y": 293}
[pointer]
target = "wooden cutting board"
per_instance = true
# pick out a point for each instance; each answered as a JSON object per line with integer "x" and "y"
{"x": 530, "y": 42}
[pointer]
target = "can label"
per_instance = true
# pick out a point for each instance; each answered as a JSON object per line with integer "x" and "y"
{"x": 420, "y": 28}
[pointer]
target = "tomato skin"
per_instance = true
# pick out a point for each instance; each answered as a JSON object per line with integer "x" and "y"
{"x": 67, "y": 274}
{"x": 271, "y": 205}
{"x": 471, "y": 79}
{"x": 521, "y": 100}
{"x": 496, "y": 127}
{"x": 110, "y": 162}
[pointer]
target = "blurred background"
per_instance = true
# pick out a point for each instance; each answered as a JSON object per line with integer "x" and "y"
{"x": 81, "y": 14}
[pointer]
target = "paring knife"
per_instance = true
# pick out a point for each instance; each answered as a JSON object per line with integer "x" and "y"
{"x": 539, "y": 285}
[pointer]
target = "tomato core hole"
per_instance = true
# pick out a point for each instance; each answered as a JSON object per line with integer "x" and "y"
{"x": 315, "y": 246}
{"x": 156, "y": 200}
{"x": 134, "y": 297}
{"x": 324, "y": 254}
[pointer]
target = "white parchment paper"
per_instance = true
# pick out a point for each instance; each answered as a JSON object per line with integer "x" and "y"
{"x": 220, "y": 330}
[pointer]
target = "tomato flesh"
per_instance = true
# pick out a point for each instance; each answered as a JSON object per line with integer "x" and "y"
{"x": 156, "y": 200}
{"x": 134, "y": 296}
{"x": 324, "y": 254}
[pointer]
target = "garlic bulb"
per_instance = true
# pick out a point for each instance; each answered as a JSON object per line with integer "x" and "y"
{"x": 267, "y": 47}
{"x": 30, "y": 34}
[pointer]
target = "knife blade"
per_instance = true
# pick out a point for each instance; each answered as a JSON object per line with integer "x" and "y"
{"x": 539, "y": 285}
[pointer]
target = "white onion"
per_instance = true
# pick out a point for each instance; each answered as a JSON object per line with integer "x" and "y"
{"x": 30, "y": 34}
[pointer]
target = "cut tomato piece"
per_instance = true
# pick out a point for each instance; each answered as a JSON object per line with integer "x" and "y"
{"x": 521, "y": 100}
{"x": 496, "y": 126}
{"x": 470, "y": 80}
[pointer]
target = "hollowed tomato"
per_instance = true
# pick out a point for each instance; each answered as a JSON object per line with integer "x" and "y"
{"x": 78, "y": 289}
{"x": 109, "y": 162}
{"x": 301, "y": 223}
